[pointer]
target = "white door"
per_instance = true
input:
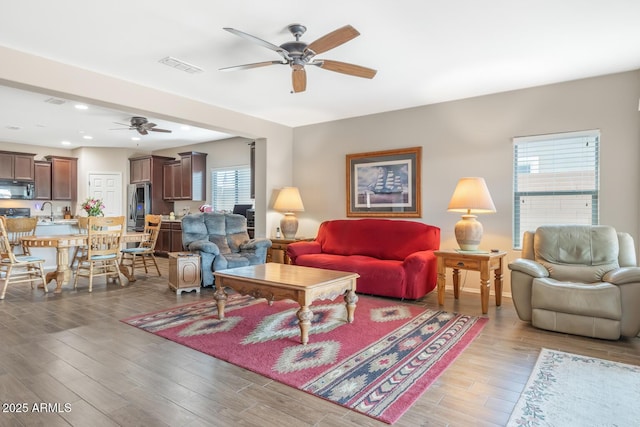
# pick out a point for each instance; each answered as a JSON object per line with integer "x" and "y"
{"x": 108, "y": 187}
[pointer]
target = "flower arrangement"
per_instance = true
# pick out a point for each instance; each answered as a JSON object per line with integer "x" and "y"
{"x": 93, "y": 207}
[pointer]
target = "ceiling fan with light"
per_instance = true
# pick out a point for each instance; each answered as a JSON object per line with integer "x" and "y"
{"x": 298, "y": 54}
{"x": 142, "y": 125}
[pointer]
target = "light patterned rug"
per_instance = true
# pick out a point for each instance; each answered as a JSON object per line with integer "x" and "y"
{"x": 378, "y": 365}
{"x": 567, "y": 390}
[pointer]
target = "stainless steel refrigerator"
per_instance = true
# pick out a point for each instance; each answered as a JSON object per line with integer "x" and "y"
{"x": 138, "y": 205}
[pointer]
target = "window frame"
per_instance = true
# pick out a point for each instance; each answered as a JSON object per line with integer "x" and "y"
{"x": 589, "y": 135}
{"x": 238, "y": 198}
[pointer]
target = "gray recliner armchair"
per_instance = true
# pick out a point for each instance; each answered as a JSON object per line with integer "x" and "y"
{"x": 222, "y": 242}
{"x": 578, "y": 279}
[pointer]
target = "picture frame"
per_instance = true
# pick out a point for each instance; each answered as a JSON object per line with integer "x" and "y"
{"x": 384, "y": 183}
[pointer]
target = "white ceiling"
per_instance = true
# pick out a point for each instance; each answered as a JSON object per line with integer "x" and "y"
{"x": 425, "y": 51}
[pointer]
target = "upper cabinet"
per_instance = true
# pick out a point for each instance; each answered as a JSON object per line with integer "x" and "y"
{"x": 172, "y": 180}
{"x": 64, "y": 177}
{"x": 42, "y": 175}
{"x": 148, "y": 169}
{"x": 16, "y": 166}
{"x": 141, "y": 169}
{"x": 185, "y": 179}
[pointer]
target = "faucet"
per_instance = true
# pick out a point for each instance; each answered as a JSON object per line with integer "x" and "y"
{"x": 51, "y": 206}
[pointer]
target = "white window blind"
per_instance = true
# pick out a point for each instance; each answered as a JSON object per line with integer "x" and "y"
{"x": 555, "y": 181}
{"x": 229, "y": 187}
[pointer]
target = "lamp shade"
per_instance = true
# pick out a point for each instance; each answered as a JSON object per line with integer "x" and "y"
{"x": 289, "y": 200}
{"x": 471, "y": 196}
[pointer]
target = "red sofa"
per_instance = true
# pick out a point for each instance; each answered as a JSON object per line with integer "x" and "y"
{"x": 394, "y": 258}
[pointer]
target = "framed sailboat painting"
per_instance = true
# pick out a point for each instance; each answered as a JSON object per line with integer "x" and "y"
{"x": 384, "y": 183}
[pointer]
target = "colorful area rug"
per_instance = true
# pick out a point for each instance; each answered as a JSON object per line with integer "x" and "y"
{"x": 378, "y": 365}
{"x": 566, "y": 389}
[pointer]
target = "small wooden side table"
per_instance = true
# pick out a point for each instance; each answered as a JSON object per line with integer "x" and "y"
{"x": 278, "y": 250}
{"x": 472, "y": 261}
{"x": 184, "y": 272}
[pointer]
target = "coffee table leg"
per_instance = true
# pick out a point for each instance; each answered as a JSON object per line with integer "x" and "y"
{"x": 304, "y": 320}
{"x": 351, "y": 299}
{"x": 221, "y": 298}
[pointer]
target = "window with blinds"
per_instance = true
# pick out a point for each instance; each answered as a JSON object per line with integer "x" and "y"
{"x": 555, "y": 181}
{"x": 229, "y": 187}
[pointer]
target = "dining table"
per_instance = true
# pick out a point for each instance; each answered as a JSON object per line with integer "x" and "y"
{"x": 62, "y": 243}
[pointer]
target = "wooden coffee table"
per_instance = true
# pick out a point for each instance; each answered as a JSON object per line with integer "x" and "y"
{"x": 274, "y": 282}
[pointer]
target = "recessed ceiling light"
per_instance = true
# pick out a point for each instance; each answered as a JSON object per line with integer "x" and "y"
{"x": 185, "y": 127}
{"x": 135, "y": 138}
{"x": 87, "y": 137}
{"x": 81, "y": 107}
{"x": 65, "y": 143}
{"x": 180, "y": 65}
{"x": 55, "y": 101}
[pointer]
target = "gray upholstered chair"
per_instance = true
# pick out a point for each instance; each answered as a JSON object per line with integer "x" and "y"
{"x": 578, "y": 279}
{"x": 222, "y": 242}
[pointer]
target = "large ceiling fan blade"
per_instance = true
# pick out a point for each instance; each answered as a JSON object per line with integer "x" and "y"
{"x": 346, "y": 68}
{"x": 299, "y": 79}
{"x": 160, "y": 130}
{"x": 249, "y": 66}
{"x": 259, "y": 41}
{"x": 333, "y": 39}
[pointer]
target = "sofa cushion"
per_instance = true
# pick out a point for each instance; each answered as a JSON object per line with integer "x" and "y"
{"x": 377, "y": 277}
{"x": 221, "y": 242}
{"x": 215, "y": 223}
{"x": 378, "y": 238}
{"x": 600, "y": 300}
{"x": 579, "y": 252}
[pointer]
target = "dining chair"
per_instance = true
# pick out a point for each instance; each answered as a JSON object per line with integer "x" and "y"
{"x": 139, "y": 255}
{"x": 17, "y": 228}
{"x": 104, "y": 235}
{"x": 81, "y": 250}
{"x": 17, "y": 268}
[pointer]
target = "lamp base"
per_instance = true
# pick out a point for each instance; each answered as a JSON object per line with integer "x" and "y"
{"x": 469, "y": 233}
{"x": 289, "y": 226}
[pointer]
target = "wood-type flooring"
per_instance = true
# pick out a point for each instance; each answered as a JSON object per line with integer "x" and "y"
{"x": 68, "y": 360}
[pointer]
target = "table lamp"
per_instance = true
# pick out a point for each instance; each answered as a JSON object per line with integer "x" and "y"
{"x": 471, "y": 196}
{"x": 288, "y": 202}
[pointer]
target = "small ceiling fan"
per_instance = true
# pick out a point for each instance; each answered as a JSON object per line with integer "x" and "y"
{"x": 298, "y": 54}
{"x": 142, "y": 125}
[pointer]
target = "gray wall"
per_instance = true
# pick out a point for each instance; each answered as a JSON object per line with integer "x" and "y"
{"x": 473, "y": 137}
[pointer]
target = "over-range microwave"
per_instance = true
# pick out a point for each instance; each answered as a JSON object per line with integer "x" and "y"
{"x": 17, "y": 190}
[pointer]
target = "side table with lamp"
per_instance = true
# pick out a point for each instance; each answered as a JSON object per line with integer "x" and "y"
{"x": 289, "y": 201}
{"x": 471, "y": 196}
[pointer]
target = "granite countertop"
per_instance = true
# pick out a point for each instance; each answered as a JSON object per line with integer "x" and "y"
{"x": 171, "y": 220}
{"x": 57, "y": 221}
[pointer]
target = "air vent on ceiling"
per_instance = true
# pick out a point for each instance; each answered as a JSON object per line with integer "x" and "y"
{"x": 180, "y": 65}
{"x": 55, "y": 101}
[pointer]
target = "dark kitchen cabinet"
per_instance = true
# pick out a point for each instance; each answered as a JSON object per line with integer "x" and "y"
{"x": 16, "y": 166}
{"x": 176, "y": 237}
{"x": 42, "y": 176}
{"x": 169, "y": 238}
{"x": 193, "y": 166}
{"x": 64, "y": 177}
{"x": 185, "y": 179}
{"x": 148, "y": 169}
{"x": 141, "y": 170}
{"x": 172, "y": 180}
